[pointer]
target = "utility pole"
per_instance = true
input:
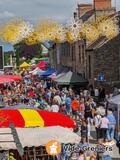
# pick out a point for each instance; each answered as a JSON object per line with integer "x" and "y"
{"x": 94, "y": 9}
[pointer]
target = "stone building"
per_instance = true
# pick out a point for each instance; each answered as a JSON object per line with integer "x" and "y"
{"x": 103, "y": 57}
{"x": 90, "y": 61}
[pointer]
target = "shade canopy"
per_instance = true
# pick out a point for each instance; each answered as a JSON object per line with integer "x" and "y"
{"x": 53, "y": 76}
{"x": 70, "y": 78}
{"x": 115, "y": 100}
{"x": 33, "y": 118}
{"x": 24, "y": 65}
{"x": 44, "y": 59}
{"x": 13, "y": 77}
{"x": 41, "y": 65}
{"x": 5, "y": 80}
{"x": 37, "y": 71}
{"x": 37, "y": 136}
{"x": 49, "y": 72}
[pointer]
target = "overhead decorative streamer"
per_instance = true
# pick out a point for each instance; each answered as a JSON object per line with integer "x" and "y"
{"x": 18, "y": 30}
{"x": 89, "y": 32}
{"x": 15, "y": 31}
{"x": 32, "y": 39}
{"x": 109, "y": 28}
{"x": 73, "y": 28}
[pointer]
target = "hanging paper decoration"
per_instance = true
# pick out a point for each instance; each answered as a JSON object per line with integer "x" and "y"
{"x": 73, "y": 26}
{"x": 46, "y": 29}
{"x": 32, "y": 39}
{"x": 89, "y": 32}
{"x": 108, "y": 28}
{"x": 59, "y": 35}
{"x": 19, "y": 30}
{"x": 15, "y": 31}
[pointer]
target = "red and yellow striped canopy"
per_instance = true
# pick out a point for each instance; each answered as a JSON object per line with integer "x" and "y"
{"x": 34, "y": 118}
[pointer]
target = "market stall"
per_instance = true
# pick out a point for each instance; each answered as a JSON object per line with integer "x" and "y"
{"x": 70, "y": 78}
{"x": 24, "y": 65}
{"x": 49, "y": 72}
{"x": 32, "y": 118}
{"x": 12, "y": 77}
{"x": 36, "y": 71}
{"x": 32, "y": 141}
{"x": 41, "y": 65}
{"x": 114, "y": 103}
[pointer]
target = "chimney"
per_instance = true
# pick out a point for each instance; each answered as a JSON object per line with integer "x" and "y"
{"x": 75, "y": 15}
{"x": 83, "y": 8}
{"x": 102, "y": 4}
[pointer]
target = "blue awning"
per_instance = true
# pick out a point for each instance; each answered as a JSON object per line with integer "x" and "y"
{"x": 49, "y": 72}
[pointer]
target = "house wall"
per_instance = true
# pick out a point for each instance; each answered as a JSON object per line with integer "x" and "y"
{"x": 73, "y": 56}
{"x": 102, "y": 4}
{"x": 83, "y": 8}
{"x": 105, "y": 60}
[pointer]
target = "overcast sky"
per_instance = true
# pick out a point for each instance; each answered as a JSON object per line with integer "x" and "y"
{"x": 32, "y": 10}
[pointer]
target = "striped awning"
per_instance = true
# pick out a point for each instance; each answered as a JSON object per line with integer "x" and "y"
{"x": 34, "y": 118}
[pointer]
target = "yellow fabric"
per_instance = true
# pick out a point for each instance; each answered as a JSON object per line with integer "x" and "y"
{"x": 24, "y": 65}
{"x": 32, "y": 118}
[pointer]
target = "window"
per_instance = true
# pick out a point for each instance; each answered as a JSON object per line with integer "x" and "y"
{"x": 89, "y": 66}
{"x": 83, "y": 53}
{"x": 119, "y": 72}
{"x": 79, "y": 53}
{"x": 73, "y": 52}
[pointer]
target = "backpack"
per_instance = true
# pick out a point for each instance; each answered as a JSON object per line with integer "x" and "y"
{"x": 106, "y": 157}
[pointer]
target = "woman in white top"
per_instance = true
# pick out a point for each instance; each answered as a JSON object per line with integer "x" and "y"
{"x": 104, "y": 127}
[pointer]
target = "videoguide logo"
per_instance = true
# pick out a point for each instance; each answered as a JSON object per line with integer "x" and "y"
{"x": 70, "y": 148}
{"x": 54, "y": 148}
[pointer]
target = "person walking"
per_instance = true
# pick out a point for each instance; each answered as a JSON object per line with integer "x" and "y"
{"x": 68, "y": 104}
{"x": 103, "y": 128}
{"x": 75, "y": 106}
{"x": 97, "y": 123}
{"x": 111, "y": 126}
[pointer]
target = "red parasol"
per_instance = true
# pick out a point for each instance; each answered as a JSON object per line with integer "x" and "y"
{"x": 34, "y": 118}
{"x": 13, "y": 77}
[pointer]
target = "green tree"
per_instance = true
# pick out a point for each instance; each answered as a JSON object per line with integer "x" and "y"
{"x": 27, "y": 51}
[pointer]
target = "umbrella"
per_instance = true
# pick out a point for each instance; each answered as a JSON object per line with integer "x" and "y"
{"x": 53, "y": 76}
{"x": 37, "y": 71}
{"x": 70, "y": 78}
{"x": 33, "y": 118}
{"x": 49, "y": 72}
{"x": 5, "y": 80}
{"x": 13, "y": 77}
{"x": 25, "y": 65}
{"x": 37, "y": 136}
{"x": 41, "y": 65}
{"x": 43, "y": 59}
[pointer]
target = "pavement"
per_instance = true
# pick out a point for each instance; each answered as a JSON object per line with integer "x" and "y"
{"x": 111, "y": 150}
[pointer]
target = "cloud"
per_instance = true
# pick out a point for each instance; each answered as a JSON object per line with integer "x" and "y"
{"x": 32, "y": 10}
{"x": 6, "y": 14}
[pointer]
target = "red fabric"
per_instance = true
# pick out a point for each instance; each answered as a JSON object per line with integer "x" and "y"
{"x": 5, "y": 80}
{"x": 13, "y": 116}
{"x": 75, "y": 105}
{"x": 41, "y": 65}
{"x": 50, "y": 119}
{"x": 13, "y": 77}
{"x": 31, "y": 94}
{"x": 56, "y": 119}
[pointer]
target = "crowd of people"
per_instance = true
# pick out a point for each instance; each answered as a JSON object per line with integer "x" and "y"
{"x": 43, "y": 94}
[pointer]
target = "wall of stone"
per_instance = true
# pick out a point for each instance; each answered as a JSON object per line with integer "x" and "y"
{"x": 107, "y": 60}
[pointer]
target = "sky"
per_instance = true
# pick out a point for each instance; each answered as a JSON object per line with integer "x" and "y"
{"x": 33, "y": 10}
